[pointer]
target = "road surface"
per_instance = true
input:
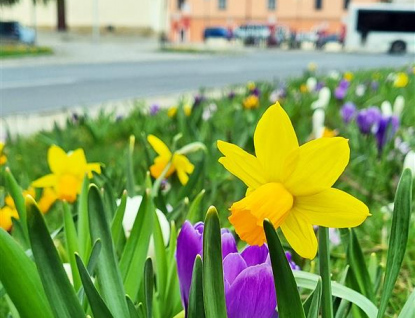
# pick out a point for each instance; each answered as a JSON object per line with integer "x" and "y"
{"x": 34, "y": 89}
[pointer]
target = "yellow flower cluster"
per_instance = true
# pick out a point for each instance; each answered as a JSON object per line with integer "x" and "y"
{"x": 172, "y": 112}
{"x": 3, "y": 158}
{"x": 251, "y": 102}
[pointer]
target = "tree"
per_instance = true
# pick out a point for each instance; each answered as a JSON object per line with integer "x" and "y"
{"x": 60, "y": 5}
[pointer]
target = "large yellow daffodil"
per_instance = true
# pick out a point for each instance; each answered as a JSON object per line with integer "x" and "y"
{"x": 290, "y": 185}
{"x": 68, "y": 172}
{"x": 179, "y": 163}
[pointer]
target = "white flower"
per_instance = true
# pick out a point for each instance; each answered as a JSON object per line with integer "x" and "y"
{"x": 409, "y": 162}
{"x": 131, "y": 210}
{"x": 360, "y": 90}
{"x": 318, "y": 123}
{"x": 323, "y": 100}
{"x": 386, "y": 108}
{"x": 209, "y": 111}
{"x": 333, "y": 74}
{"x": 398, "y": 106}
{"x": 311, "y": 84}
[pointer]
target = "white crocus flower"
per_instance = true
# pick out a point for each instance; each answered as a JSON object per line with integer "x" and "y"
{"x": 311, "y": 84}
{"x": 360, "y": 90}
{"x": 409, "y": 162}
{"x": 334, "y": 75}
{"x": 386, "y": 108}
{"x": 398, "y": 106}
{"x": 131, "y": 210}
{"x": 323, "y": 100}
{"x": 318, "y": 123}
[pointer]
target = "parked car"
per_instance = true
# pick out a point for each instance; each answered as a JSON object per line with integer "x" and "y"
{"x": 327, "y": 38}
{"x": 13, "y": 31}
{"x": 217, "y": 32}
{"x": 255, "y": 31}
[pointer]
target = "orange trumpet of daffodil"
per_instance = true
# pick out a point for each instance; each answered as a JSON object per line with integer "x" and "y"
{"x": 290, "y": 185}
{"x": 68, "y": 172}
{"x": 179, "y": 163}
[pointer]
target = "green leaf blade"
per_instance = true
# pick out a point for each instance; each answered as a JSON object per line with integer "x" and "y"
{"x": 289, "y": 302}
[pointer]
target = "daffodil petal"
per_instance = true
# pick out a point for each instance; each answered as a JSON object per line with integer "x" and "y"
{"x": 77, "y": 164}
{"x": 159, "y": 146}
{"x": 93, "y": 167}
{"x": 49, "y": 180}
{"x": 241, "y": 164}
{"x": 57, "y": 159}
{"x": 159, "y": 164}
{"x": 274, "y": 140}
{"x": 183, "y": 167}
{"x": 332, "y": 208}
{"x": 316, "y": 165}
{"x": 300, "y": 234}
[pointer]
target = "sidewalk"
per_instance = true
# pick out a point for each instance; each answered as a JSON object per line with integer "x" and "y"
{"x": 71, "y": 48}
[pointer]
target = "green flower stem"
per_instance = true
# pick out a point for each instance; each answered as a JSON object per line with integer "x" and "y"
{"x": 324, "y": 262}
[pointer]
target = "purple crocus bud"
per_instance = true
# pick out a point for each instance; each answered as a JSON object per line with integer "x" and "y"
{"x": 231, "y": 95}
{"x": 386, "y": 129}
{"x": 367, "y": 118}
{"x": 198, "y": 100}
{"x": 348, "y": 112}
{"x": 293, "y": 265}
{"x": 319, "y": 86}
{"x": 340, "y": 93}
{"x": 344, "y": 84}
{"x": 256, "y": 91}
{"x": 189, "y": 245}
{"x": 154, "y": 109}
{"x": 374, "y": 85}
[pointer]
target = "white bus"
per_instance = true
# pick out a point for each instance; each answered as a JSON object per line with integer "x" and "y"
{"x": 384, "y": 27}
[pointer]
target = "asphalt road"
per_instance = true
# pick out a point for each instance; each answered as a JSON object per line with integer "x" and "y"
{"x": 34, "y": 89}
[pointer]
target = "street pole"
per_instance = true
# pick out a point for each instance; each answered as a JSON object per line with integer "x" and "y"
{"x": 95, "y": 15}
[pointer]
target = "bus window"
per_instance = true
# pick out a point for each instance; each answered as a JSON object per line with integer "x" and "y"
{"x": 385, "y": 21}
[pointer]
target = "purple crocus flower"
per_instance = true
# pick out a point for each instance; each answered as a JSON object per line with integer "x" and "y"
{"x": 319, "y": 86}
{"x": 231, "y": 95}
{"x": 154, "y": 109}
{"x": 255, "y": 91}
{"x": 367, "y": 118}
{"x": 198, "y": 100}
{"x": 341, "y": 89}
{"x": 348, "y": 112}
{"x": 248, "y": 279}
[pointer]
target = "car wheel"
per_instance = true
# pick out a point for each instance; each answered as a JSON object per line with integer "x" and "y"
{"x": 398, "y": 47}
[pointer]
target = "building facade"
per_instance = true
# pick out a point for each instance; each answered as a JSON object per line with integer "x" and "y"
{"x": 189, "y": 18}
{"x": 85, "y": 14}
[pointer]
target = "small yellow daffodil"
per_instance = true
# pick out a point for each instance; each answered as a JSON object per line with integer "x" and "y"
{"x": 9, "y": 211}
{"x": 251, "y": 102}
{"x": 401, "y": 80}
{"x": 6, "y": 215}
{"x": 303, "y": 88}
{"x": 179, "y": 163}
{"x": 312, "y": 67}
{"x": 328, "y": 133}
{"x": 172, "y": 111}
{"x": 348, "y": 76}
{"x": 250, "y": 86}
{"x": 47, "y": 199}
{"x": 68, "y": 172}
{"x": 3, "y": 158}
{"x": 290, "y": 185}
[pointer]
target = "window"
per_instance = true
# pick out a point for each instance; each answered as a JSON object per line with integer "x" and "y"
{"x": 385, "y": 21}
{"x": 222, "y": 4}
{"x": 272, "y": 4}
{"x": 346, "y": 4}
{"x": 180, "y": 4}
{"x": 318, "y": 4}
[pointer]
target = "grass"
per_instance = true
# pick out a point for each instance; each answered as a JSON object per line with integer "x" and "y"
{"x": 21, "y": 50}
{"x": 371, "y": 176}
